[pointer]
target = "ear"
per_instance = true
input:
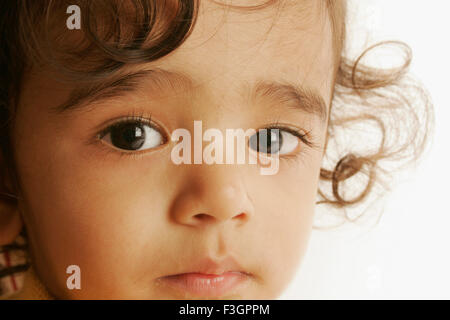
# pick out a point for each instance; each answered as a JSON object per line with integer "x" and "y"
{"x": 10, "y": 220}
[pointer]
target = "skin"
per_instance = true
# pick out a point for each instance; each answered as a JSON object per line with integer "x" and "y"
{"x": 126, "y": 221}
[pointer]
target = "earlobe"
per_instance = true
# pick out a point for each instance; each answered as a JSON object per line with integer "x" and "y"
{"x": 10, "y": 220}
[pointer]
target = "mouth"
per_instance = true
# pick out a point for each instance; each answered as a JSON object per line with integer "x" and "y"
{"x": 209, "y": 278}
{"x": 206, "y": 285}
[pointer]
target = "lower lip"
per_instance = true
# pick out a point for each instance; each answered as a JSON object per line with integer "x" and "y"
{"x": 210, "y": 285}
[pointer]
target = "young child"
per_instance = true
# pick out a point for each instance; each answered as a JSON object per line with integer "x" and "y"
{"x": 91, "y": 94}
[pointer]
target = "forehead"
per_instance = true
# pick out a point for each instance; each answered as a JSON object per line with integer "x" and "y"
{"x": 228, "y": 52}
{"x": 289, "y": 40}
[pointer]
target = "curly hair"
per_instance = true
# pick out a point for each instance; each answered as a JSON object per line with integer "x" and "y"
{"x": 117, "y": 33}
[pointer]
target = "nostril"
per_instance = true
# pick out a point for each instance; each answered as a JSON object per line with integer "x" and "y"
{"x": 207, "y": 218}
{"x": 240, "y": 216}
{"x": 203, "y": 217}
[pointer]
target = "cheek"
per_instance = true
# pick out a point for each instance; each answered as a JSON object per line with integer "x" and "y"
{"x": 82, "y": 208}
{"x": 285, "y": 207}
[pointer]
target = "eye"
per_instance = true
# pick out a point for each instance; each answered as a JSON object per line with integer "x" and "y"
{"x": 132, "y": 135}
{"x": 274, "y": 140}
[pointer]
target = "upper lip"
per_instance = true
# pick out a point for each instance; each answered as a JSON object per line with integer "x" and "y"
{"x": 208, "y": 265}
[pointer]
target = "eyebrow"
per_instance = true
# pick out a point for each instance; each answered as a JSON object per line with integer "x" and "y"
{"x": 284, "y": 93}
{"x": 293, "y": 96}
{"x": 121, "y": 85}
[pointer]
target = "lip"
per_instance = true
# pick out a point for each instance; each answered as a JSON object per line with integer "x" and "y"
{"x": 208, "y": 277}
{"x": 210, "y": 285}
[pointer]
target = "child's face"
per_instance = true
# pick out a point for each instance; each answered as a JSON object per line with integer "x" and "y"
{"x": 127, "y": 221}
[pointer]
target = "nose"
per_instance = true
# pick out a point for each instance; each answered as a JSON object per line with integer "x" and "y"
{"x": 213, "y": 194}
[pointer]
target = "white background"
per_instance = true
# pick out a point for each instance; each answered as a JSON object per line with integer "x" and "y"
{"x": 407, "y": 255}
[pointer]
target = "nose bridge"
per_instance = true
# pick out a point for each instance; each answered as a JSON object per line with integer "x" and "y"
{"x": 213, "y": 194}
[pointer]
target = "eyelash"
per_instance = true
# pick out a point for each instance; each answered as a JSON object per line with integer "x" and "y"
{"x": 140, "y": 117}
{"x": 135, "y": 117}
{"x": 306, "y": 137}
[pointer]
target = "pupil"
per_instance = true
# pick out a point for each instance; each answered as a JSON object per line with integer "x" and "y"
{"x": 129, "y": 136}
{"x": 267, "y": 141}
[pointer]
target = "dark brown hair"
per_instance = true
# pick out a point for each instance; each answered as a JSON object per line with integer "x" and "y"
{"x": 117, "y": 33}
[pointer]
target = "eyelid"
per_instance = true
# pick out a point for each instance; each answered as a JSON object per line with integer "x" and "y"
{"x": 305, "y": 136}
{"x": 123, "y": 120}
{"x": 133, "y": 118}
